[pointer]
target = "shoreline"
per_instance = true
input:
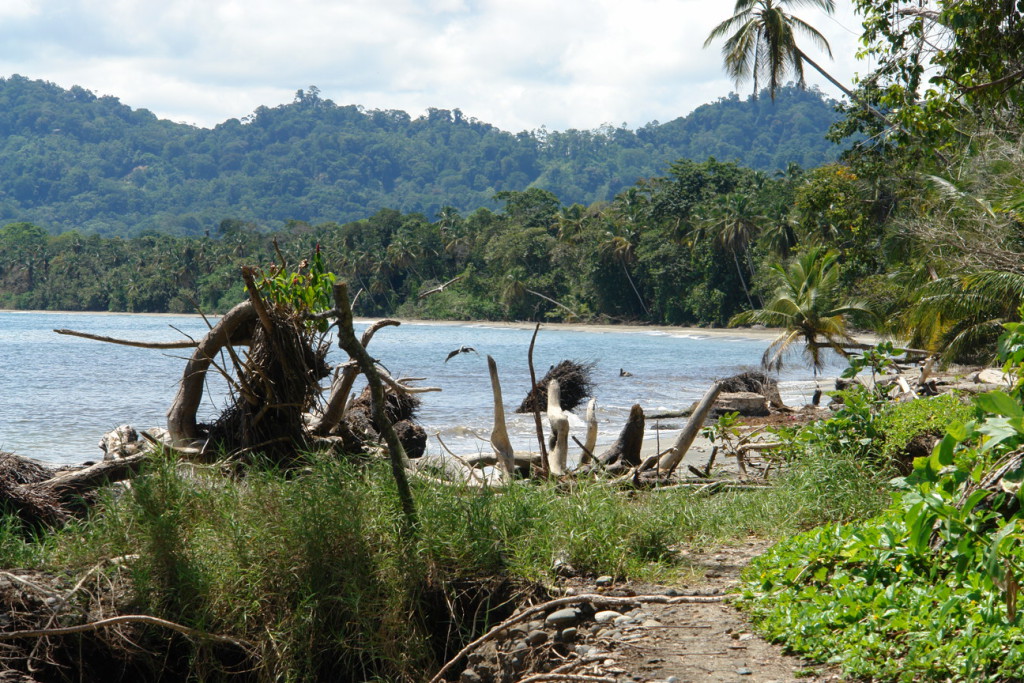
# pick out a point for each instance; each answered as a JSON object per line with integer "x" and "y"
{"x": 765, "y": 333}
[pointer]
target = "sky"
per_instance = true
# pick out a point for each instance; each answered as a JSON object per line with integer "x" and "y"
{"x": 517, "y": 64}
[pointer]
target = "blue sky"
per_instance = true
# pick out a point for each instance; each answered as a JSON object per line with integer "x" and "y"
{"x": 519, "y": 64}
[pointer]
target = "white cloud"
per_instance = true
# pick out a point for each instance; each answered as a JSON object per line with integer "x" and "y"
{"x": 575, "y": 63}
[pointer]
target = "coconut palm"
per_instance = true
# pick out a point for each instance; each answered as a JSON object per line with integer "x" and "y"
{"x": 763, "y": 45}
{"x": 805, "y": 306}
{"x": 734, "y": 222}
{"x": 962, "y": 315}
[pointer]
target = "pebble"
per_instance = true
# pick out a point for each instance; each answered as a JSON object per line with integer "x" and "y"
{"x": 564, "y": 617}
{"x": 604, "y": 581}
{"x": 623, "y": 620}
{"x": 566, "y": 635}
{"x": 470, "y": 676}
{"x": 744, "y": 672}
{"x": 535, "y": 638}
{"x": 651, "y": 623}
{"x": 672, "y": 679}
{"x": 607, "y": 616}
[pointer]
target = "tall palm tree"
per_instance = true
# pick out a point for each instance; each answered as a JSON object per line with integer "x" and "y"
{"x": 623, "y": 250}
{"x": 805, "y": 306}
{"x": 734, "y": 223}
{"x": 764, "y": 45}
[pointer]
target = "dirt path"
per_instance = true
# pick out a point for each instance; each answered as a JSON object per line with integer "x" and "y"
{"x": 648, "y": 643}
{"x": 704, "y": 641}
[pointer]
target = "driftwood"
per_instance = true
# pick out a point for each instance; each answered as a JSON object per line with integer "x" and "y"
{"x": 536, "y": 406}
{"x": 128, "y": 342}
{"x": 342, "y": 385}
{"x": 76, "y": 482}
{"x": 671, "y": 460}
{"x": 626, "y": 449}
{"x": 559, "y": 422}
{"x": 399, "y": 460}
{"x": 41, "y": 496}
{"x": 499, "y": 434}
{"x": 181, "y": 418}
{"x": 591, "y": 442}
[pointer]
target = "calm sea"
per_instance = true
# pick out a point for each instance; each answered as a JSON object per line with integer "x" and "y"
{"x": 59, "y": 394}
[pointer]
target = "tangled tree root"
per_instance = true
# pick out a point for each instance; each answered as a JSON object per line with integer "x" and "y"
{"x": 574, "y": 381}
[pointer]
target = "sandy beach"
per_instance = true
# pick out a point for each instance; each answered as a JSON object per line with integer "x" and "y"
{"x": 765, "y": 333}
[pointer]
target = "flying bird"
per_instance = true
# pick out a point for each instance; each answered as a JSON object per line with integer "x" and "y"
{"x": 463, "y": 349}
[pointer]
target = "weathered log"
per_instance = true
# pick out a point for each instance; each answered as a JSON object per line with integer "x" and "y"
{"x": 500, "y": 442}
{"x": 181, "y": 418}
{"x": 190, "y": 344}
{"x": 76, "y": 482}
{"x": 626, "y": 449}
{"x": 559, "y": 423}
{"x": 671, "y": 460}
{"x": 591, "y": 442}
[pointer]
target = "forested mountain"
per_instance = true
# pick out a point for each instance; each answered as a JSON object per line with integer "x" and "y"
{"x": 72, "y": 160}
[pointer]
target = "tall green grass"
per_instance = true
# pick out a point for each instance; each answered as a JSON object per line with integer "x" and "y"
{"x": 312, "y": 568}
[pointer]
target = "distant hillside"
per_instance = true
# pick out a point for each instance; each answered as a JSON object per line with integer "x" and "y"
{"x": 71, "y": 160}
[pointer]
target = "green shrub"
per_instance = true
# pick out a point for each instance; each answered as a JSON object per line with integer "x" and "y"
{"x": 926, "y": 591}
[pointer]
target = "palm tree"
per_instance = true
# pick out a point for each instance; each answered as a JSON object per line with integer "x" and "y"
{"x": 623, "y": 250}
{"x": 962, "y": 315}
{"x": 805, "y": 306}
{"x": 734, "y": 223}
{"x": 764, "y": 45}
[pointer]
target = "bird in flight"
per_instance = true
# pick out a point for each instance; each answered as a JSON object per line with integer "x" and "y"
{"x": 463, "y": 349}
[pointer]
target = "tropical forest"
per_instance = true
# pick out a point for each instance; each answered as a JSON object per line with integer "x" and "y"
{"x": 304, "y": 537}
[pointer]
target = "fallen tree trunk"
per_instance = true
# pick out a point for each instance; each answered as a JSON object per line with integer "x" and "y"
{"x": 685, "y": 439}
{"x": 77, "y": 482}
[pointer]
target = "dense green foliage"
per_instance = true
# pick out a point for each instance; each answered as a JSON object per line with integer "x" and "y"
{"x": 928, "y": 590}
{"x": 667, "y": 250}
{"x": 74, "y": 161}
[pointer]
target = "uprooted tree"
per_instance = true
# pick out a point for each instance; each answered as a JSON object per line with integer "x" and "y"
{"x": 272, "y": 348}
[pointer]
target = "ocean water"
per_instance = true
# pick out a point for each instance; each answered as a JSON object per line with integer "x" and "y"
{"x": 60, "y": 394}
